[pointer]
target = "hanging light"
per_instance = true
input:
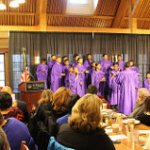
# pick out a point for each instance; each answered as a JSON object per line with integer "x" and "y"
{"x": 2, "y": 6}
{"x": 20, "y": 1}
{"x": 14, "y": 4}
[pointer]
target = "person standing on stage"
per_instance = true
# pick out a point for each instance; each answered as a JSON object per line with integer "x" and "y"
{"x": 114, "y": 87}
{"x": 128, "y": 81}
{"x": 42, "y": 72}
{"x": 50, "y": 65}
{"x": 120, "y": 62}
{"x": 63, "y": 60}
{"x": 82, "y": 71}
{"x": 88, "y": 67}
{"x": 76, "y": 57}
{"x": 134, "y": 67}
{"x": 75, "y": 82}
{"x": 106, "y": 64}
{"x": 93, "y": 72}
{"x": 56, "y": 75}
{"x": 65, "y": 71}
{"x": 147, "y": 81}
{"x": 99, "y": 79}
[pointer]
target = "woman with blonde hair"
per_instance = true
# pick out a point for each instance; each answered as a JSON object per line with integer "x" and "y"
{"x": 83, "y": 129}
{"x": 143, "y": 93}
{"x": 46, "y": 96}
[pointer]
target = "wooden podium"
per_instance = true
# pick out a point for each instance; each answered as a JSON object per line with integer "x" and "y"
{"x": 30, "y": 92}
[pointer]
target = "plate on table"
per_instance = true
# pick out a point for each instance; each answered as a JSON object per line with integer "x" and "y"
{"x": 131, "y": 121}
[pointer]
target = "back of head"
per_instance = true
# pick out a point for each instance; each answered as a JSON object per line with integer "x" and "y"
{"x": 85, "y": 115}
{"x": 5, "y": 101}
{"x": 71, "y": 102}
{"x": 92, "y": 89}
{"x": 147, "y": 104}
{"x": 127, "y": 64}
{"x": 46, "y": 96}
{"x": 7, "y": 89}
{"x": 143, "y": 93}
{"x": 61, "y": 99}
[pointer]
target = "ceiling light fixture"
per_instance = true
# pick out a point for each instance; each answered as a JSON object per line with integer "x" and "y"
{"x": 14, "y": 4}
{"x": 2, "y": 6}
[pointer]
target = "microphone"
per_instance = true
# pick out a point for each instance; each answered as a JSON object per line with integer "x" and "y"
{"x": 32, "y": 76}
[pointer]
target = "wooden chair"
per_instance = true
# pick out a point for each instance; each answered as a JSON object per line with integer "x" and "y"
{"x": 24, "y": 146}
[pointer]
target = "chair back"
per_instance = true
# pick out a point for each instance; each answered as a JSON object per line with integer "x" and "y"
{"x": 54, "y": 145}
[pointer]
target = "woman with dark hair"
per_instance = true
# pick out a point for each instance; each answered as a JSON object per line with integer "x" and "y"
{"x": 145, "y": 117}
{"x": 83, "y": 131}
{"x": 71, "y": 102}
{"x": 7, "y": 109}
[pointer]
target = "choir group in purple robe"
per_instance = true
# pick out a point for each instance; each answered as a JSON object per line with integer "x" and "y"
{"x": 117, "y": 82}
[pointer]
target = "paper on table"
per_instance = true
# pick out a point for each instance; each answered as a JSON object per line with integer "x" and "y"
{"x": 144, "y": 131}
{"x": 117, "y": 137}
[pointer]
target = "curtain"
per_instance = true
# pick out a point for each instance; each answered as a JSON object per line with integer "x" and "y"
{"x": 136, "y": 47}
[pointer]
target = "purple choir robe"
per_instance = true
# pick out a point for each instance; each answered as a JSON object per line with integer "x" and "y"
{"x": 105, "y": 65}
{"x": 97, "y": 76}
{"x": 121, "y": 64}
{"x": 115, "y": 88}
{"x": 81, "y": 70}
{"x": 50, "y": 64}
{"x": 65, "y": 78}
{"x": 56, "y": 78}
{"x": 136, "y": 69}
{"x": 74, "y": 84}
{"x": 42, "y": 72}
{"x": 88, "y": 67}
{"x": 147, "y": 85}
{"x": 74, "y": 64}
{"x": 127, "y": 80}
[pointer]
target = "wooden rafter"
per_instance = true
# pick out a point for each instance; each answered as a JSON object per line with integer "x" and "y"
{"x": 121, "y": 12}
{"x": 136, "y": 8}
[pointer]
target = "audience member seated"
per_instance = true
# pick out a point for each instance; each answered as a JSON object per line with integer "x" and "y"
{"x": 83, "y": 129}
{"x": 61, "y": 97}
{"x": 143, "y": 93}
{"x": 4, "y": 144}
{"x": 145, "y": 117}
{"x": 17, "y": 103}
{"x": 44, "y": 104}
{"x": 43, "y": 124}
{"x": 16, "y": 132}
{"x": 92, "y": 89}
{"x": 71, "y": 102}
{"x": 7, "y": 109}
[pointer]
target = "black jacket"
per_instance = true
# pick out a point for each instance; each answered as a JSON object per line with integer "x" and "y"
{"x": 96, "y": 140}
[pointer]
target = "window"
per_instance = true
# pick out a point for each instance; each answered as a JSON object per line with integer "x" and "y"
{"x": 2, "y": 70}
{"x": 17, "y": 70}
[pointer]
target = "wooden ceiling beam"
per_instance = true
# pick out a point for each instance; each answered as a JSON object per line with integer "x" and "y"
{"x": 17, "y": 14}
{"x": 72, "y": 29}
{"x": 121, "y": 12}
{"x": 41, "y": 12}
{"x": 96, "y": 13}
{"x": 89, "y": 17}
{"x": 136, "y": 8}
